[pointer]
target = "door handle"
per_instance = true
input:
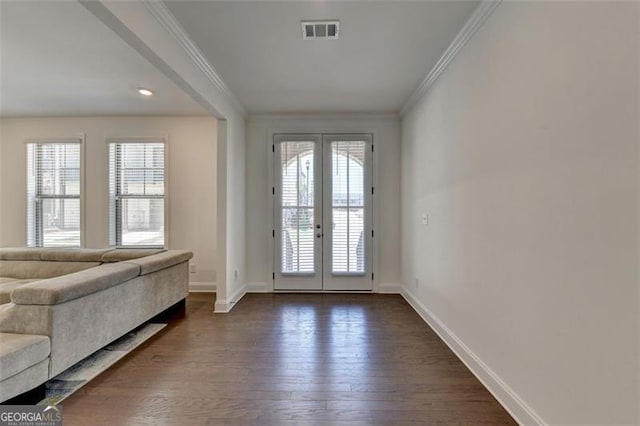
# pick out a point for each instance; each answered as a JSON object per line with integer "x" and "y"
{"x": 318, "y": 235}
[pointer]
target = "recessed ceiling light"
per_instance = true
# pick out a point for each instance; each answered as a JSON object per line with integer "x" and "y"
{"x": 144, "y": 92}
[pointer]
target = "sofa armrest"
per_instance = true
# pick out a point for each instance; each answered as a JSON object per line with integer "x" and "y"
{"x": 60, "y": 289}
{"x": 160, "y": 261}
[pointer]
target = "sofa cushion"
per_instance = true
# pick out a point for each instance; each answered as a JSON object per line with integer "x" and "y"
{"x": 20, "y": 253}
{"x": 30, "y": 269}
{"x": 7, "y": 284}
{"x": 20, "y": 351}
{"x": 74, "y": 255}
{"x": 160, "y": 261}
{"x": 57, "y": 290}
{"x": 119, "y": 255}
{"x": 56, "y": 254}
{"x": 25, "y": 380}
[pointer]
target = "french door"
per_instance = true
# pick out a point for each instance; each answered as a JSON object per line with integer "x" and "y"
{"x": 323, "y": 230}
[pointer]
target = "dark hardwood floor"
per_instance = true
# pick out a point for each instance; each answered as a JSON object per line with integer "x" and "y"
{"x": 289, "y": 359}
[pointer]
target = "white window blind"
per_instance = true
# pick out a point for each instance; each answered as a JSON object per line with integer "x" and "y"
{"x": 137, "y": 194}
{"x": 53, "y": 194}
{"x": 348, "y": 209}
{"x": 297, "y": 207}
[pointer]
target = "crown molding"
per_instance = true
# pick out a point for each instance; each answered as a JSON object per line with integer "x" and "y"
{"x": 166, "y": 19}
{"x": 323, "y": 116}
{"x": 475, "y": 21}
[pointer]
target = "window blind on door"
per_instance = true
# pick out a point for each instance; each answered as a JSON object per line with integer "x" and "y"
{"x": 297, "y": 165}
{"x": 348, "y": 207}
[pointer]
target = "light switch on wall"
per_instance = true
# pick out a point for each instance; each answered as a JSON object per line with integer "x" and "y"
{"x": 425, "y": 219}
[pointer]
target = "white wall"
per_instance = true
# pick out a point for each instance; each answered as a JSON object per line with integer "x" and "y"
{"x": 191, "y": 175}
{"x": 236, "y": 266}
{"x": 150, "y": 29}
{"x": 258, "y": 226}
{"x": 525, "y": 156}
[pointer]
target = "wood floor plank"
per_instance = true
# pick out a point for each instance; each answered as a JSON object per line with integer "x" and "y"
{"x": 280, "y": 359}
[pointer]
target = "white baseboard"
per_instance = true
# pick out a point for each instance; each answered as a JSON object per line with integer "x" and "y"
{"x": 221, "y": 306}
{"x": 389, "y": 288}
{"x": 258, "y": 287}
{"x": 262, "y": 287}
{"x": 224, "y": 306}
{"x": 519, "y": 410}
{"x": 202, "y": 287}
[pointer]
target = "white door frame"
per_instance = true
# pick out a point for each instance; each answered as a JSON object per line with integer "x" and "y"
{"x": 269, "y": 216}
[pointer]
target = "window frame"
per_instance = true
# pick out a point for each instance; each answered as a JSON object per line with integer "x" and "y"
{"x": 114, "y": 199}
{"x": 38, "y": 238}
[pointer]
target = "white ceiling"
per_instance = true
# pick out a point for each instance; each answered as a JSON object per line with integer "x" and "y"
{"x": 57, "y": 59}
{"x": 384, "y": 51}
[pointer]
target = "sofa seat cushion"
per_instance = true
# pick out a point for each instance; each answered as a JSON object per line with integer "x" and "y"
{"x": 68, "y": 287}
{"x": 7, "y": 284}
{"x": 21, "y": 351}
{"x": 24, "y": 381}
{"x": 32, "y": 269}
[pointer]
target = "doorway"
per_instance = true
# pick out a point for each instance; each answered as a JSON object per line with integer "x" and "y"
{"x": 323, "y": 227}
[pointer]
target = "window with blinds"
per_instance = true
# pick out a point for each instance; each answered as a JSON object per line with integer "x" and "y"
{"x": 53, "y": 194}
{"x": 137, "y": 194}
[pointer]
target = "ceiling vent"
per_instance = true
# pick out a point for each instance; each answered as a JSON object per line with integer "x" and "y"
{"x": 312, "y": 30}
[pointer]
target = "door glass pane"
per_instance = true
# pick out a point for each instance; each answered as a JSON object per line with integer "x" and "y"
{"x": 297, "y": 248}
{"x": 297, "y": 241}
{"x": 347, "y": 177}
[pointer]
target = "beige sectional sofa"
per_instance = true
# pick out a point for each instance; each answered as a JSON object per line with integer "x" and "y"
{"x": 57, "y": 306}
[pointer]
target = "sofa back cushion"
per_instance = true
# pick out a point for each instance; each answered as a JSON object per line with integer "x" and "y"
{"x": 54, "y": 254}
{"x": 73, "y": 255}
{"x": 160, "y": 261}
{"x": 57, "y": 290}
{"x": 9, "y": 284}
{"x": 30, "y": 269}
{"x": 119, "y": 255}
{"x": 20, "y": 253}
